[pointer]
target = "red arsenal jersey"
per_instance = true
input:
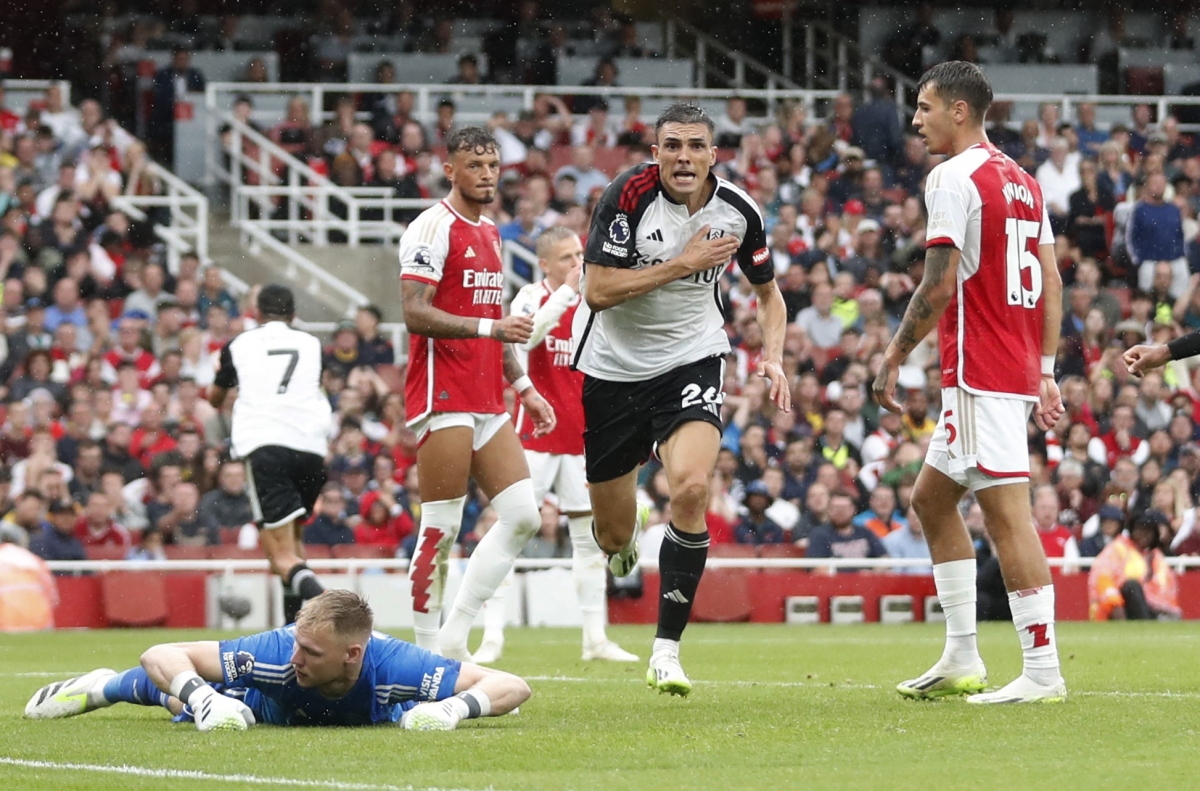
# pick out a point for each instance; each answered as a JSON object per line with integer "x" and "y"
{"x": 1055, "y": 540}
{"x": 990, "y": 336}
{"x": 548, "y": 366}
{"x": 462, "y": 259}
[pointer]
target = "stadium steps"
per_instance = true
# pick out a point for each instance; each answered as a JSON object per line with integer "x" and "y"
{"x": 261, "y": 265}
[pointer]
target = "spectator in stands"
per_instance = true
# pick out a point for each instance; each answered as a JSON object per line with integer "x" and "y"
{"x": 171, "y": 85}
{"x": 150, "y": 547}
{"x": 1090, "y": 138}
{"x": 56, "y": 539}
{"x": 25, "y": 520}
{"x": 733, "y": 125}
{"x": 1089, "y": 212}
{"x": 1111, "y": 521}
{"x": 384, "y": 521}
{"x": 227, "y": 506}
{"x": 66, "y": 307}
{"x": 817, "y": 320}
{"x": 468, "y": 71}
{"x": 182, "y": 524}
{"x": 294, "y": 134}
{"x": 781, "y": 511}
{"x": 1139, "y": 135}
{"x": 904, "y": 50}
{"x": 9, "y": 121}
{"x": 839, "y": 537}
{"x": 880, "y": 517}
{"x": 1155, "y": 233}
{"x": 628, "y": 44}
{"x": 755, "y": 526}
{"x": 329, "y": 526}
{"x": 36, "y": 377}
{"x": 1114, "y": 171}
{"x": 43, "y": 456}
{"x": 604, "y": 76}
{"x": 1059, "y": 178}
{"x": 96, "y": 526}
{"x": 439, "y": 39}
{"x": 62, "y": 118}
{"x": 1131, "y": 579}
{"x": 584, "y": 172}
{"x": 549, "y": 541}
{"x": 1152, "y": 411}
{"x": 343, "y": 354}
{"x": 877, "y": 125}
{"x": 214, "y": 292}
{"x": 907, "y": 541}
{"x": 1057, "y": 540}
{"x": 116, "y": 452}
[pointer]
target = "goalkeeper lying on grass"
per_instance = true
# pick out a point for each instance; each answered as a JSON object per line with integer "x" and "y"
{"x": 328, "y": 669}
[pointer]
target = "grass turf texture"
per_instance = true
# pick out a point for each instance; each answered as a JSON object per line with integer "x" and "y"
{"x": 774, "y": 707}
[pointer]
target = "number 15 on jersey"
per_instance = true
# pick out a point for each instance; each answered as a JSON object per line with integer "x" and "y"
{"x": 1018, "y": 258}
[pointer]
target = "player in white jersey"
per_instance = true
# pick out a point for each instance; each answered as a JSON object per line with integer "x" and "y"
{"x": 651, "y": 341}
{"x": 281, "y": 423}
{"x": 992, "y": 288}
{"x": 556, "y": 459}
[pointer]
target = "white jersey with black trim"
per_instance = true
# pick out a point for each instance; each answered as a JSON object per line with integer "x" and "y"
{"x": 277, "y": 371}
{"x": 637, "y": 224}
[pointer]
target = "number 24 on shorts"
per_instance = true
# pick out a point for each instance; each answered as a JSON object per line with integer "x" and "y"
{"x": 710, "y": 401}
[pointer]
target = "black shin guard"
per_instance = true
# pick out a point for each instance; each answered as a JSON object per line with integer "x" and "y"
{"x": 681, "y": 564}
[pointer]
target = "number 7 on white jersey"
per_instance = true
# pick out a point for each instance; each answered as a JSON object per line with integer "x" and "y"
{"x": 1018, "y": 257}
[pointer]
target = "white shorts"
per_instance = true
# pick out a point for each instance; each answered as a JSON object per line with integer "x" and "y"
{"x": 564, "y": 474}
{"x": 981, "y": 441}
{"x": 485, "y": 426}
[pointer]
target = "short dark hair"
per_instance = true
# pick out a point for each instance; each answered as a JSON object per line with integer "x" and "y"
{"x": 958, "y": 80}
{"x": 471, "y": 139}
{"x": 276, "y": 300}
{"x": 373, "y": 310}
{"x": 685, "y": 113}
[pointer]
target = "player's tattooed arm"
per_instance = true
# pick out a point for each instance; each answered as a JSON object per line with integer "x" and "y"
{"x": 928, "y": 302}
{"x": 422, "y": 318}
{"x": 512, "y": 366}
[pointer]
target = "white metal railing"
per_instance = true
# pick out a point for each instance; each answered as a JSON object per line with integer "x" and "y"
{"x": 530, "y": 564}
{"x": 188, "y": 227}
{"x": 219, "y": 97}
{"x": 315, "y": 206}
{"x": 318, "y": 280}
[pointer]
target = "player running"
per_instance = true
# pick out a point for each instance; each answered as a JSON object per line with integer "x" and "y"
{"x": 556, "y": 459}
{"x": 992, "y": 288}
{"x": 650, "y": 341}
{"x": 281, "y": 424}
{"x": 330, "y": 668}
{"x": 459, "y": 358}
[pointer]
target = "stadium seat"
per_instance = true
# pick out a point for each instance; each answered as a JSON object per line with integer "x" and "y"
{"x": 723, "y": 596}
{"x": 134, "y": 598}
{"x": 229, "y": 535}
{"x": 362, "y": 551}
{"x": 106, "y": 552}
{"x": 1144, "y": 80}
{"x": 186, "y": 552}
{"x": 317, "y": 551}
{"x": 234, "y": 552}
{"x": 733, "y": 551}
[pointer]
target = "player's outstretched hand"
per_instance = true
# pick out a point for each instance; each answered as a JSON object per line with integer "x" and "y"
{"x": 779, "y": 391}
{"x": 703, "y": 253}
{"x": 1050, "y": 406}
{"x": 883, "y": 390}
{"x": 513, "y": 329}
{"x": 215, "y": 712}
{"x": 1143, "y": 357}
{"x": 540, "y": 411}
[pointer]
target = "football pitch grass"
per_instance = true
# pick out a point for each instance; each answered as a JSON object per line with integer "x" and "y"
{"x": 774, "y": 707}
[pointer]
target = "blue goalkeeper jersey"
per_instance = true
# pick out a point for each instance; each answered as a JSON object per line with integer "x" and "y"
{"x": 395, "y": 677}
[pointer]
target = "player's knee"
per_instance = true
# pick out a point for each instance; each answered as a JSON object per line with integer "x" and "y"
{"x": 516, "y": 506}
{"x": 689, "y": 495}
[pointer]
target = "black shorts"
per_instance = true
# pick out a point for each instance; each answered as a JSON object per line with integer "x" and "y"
{"x": 283, "y": 484}
{"x": 625, "y": 420}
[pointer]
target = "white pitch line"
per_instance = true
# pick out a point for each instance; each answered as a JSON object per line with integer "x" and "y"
{"x": 182, "y": 774}
{"x": 48, "y": 674}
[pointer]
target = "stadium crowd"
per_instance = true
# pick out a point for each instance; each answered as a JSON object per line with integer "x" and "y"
{"x": 107, "y": 438}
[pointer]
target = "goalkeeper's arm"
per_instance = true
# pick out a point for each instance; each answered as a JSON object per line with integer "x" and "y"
{"x": 183, "y": 670}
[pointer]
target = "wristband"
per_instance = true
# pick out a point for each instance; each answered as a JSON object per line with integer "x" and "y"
{"x": 184, "y": 685}
{"x": 1047, "y": 365}
{"x": 522, "y": 384}
{"x": 485, "y": 328}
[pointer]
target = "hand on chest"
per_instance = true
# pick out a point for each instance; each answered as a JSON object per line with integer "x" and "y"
{"x": 665, "y": 230}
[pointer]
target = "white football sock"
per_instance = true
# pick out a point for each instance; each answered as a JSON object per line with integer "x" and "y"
{"x": 589, "y": 565}
{"x": 662, "y": 644}
{"x": 440, "y": 523}
{"x": 517, "y": 520}
{"x": 1033, "y": 617}
{"x": 495, "y": 612}
{"x": 955, "y": 583}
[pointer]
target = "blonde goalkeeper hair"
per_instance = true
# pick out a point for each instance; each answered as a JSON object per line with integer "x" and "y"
{"x": 345, "y": 612}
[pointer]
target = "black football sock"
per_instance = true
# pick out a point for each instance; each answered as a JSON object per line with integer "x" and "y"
{"x": 291, "y": 607}
{"x": 680, "y": 566}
